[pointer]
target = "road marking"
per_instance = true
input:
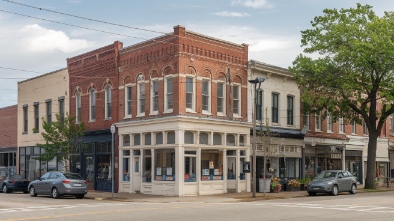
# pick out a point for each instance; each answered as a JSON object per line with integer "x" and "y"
{"x": 335, "y": 207}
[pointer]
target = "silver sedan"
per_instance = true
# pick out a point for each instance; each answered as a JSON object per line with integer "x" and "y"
{"x": 333, "y": 182}
{"x": 58, "y": 184}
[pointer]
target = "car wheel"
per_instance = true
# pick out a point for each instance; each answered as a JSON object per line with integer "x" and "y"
{"x": 354, "y": 189}
{"x": 5, "y": 189}
{"x": 312, "y": 194}
{"x": 80, "y": 196}
{"x": 55, "y": 193}
{"x": 32, "y": 191}
{"x": 334, "y": 190}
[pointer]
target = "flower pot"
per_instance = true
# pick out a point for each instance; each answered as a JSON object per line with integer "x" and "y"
{"x": 276, "y": 190}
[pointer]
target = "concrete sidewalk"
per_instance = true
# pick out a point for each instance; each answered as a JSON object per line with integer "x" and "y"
{"x": 218, "y": 198}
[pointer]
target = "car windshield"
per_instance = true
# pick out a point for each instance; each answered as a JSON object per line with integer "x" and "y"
{"x": 326, "y": 175}
{"x": 73, "y": 176}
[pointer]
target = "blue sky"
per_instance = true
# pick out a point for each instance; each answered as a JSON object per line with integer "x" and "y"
{"x": 270, "y": 27}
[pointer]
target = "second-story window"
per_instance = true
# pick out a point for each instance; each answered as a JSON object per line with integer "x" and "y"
{"x": 290, "y": 110}
{"x": 155, "y": 96}
{"x": 392, "y": 123}
{"x": 61, "y": 108}
{"x": 108, "y": 102}
{"x": 78, "y": 106}
{"x": 341, "y": 125}
{"x": 221, "y": 101}
{"x": 169, "y": 93}
{"x": 49, "y": 111}
{"x": 25, "y": 119}
{"x": 329, "y": 122}
{"x": 354, "y": 127}
{"x": 190, "y": 93}
{"x": 141, "y": 95}
{"x": 236, "y": 100}
{"x": 318, "y": 121}
{"x": 36, "y": 117}
{"x": 365, "y": 129}
{"x": 128, "y": 101}
{"x": 92, "y": 107}
{"x": 206, "y": 95}
{"x": 275, "y": 108}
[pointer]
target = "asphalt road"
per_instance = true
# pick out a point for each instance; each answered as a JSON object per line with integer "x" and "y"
{"x": 368, "y": 206}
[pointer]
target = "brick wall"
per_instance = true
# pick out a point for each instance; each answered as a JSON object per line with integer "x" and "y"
{"x": 8, "y": 126}
{"x": 179, "y": 53}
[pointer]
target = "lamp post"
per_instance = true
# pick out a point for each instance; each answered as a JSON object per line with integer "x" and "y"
{"x": 256, "y": 82}
{"x": 113, "y": 159}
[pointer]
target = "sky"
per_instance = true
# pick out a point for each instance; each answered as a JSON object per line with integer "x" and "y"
{"x": 34, "y": 42}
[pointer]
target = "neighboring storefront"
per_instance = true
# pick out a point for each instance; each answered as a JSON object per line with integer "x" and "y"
{"x": 186, "y": 156}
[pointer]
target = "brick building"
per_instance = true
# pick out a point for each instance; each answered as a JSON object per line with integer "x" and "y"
{"x": 94, "y": 101}
{"x": 8, "y": 133}
{"x": 183, "y": 126}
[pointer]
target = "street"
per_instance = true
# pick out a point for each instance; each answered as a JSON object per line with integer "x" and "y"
{"x": 366, "y": 206}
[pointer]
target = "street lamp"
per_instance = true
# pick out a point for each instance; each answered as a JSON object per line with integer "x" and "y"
{"x": 113, "y": 159}
{"x": 256, "y": 82}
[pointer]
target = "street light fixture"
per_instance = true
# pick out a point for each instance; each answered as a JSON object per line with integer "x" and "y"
{"x": 256, "y": 82}
{"x": 113, "y": 159}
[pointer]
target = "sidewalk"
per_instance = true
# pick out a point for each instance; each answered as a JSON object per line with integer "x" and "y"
{"x": 218, "y": 198}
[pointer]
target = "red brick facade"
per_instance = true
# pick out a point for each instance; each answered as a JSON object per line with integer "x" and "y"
{"x": 178, "y": 54}
{"x": 8, "y": 126}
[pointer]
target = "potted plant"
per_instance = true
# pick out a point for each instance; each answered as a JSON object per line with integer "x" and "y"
{"x": 275, "y": 185}
{"x": 304, "y": 183}
{"x": 293, "y": 185}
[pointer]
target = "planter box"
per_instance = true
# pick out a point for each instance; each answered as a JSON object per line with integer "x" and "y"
{"x": 292, "y": 188}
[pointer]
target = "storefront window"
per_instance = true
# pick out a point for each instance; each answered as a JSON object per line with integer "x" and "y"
{"x": 242, "y": 161}
{"x": 211, "y": 165}
{"x": 309, "y": 167}
{"x": 165, "y": 165}
{"x": 147, "y": 166}
{"x": 125, "y": 165}
{"x": 288, "y": 167}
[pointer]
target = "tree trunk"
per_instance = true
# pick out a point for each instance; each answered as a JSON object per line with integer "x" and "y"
{"x": 371, "y": 161}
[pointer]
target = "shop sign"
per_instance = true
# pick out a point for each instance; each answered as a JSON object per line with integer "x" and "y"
{"x": 336, "y": 156}
{"x": 246, "y": 167}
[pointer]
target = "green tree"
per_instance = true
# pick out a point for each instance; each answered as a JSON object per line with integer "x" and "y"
{"x": 62, "y": 137}
{"x": 353, "y": 74}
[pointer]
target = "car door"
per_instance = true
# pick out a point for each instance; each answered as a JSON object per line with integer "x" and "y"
{"x": 349, "y": 180}
{"x": 341, "y": 181}
{"x": 39, "y": 184}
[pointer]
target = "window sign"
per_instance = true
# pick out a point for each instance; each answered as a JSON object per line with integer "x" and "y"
{"x": 158, "y": 171}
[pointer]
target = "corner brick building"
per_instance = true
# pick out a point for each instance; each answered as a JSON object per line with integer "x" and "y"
{"x": 183, "y": 126}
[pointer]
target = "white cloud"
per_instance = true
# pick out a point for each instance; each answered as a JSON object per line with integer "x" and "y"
{"x": 75, "y": 2}
{"x": 231, "y": 14}
{"x": 39, "y": 39}
{"x": 253, "y": 3}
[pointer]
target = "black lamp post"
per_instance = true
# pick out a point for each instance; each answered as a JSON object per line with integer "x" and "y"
{"x": 256, "y": 82}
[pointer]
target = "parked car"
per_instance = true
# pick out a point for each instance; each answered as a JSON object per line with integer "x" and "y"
{"x": 14, "y": 183}
{"x": 333, "y": 182}
{"x": 57, "y": 184}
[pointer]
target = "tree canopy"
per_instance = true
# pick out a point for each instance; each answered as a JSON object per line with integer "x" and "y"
{"x": 352, "y": 76}
{"x": 61, "y": 138}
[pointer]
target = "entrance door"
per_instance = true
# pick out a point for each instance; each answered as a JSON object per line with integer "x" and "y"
{"x": 136, "y": 175}
{"x": 87, "y": 170}
{"x": 356, "y": 170}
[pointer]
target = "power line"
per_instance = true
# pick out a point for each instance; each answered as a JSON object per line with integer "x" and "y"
{"x": 62, "y": 23}
{"x": 89, "y": 19}
{"x": 14, "y": 69}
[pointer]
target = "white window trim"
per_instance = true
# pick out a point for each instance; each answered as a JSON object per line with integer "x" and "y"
{"x": 166, "y": 109}
{"x": 223, "y": 113}
{"x": 193, "y": 109}
{"x": 354, "y": 127}
{"x": 209, "y": 111}
{"x": 90, "y": 104}
{"x": 126, "y": 115}
{"x": 152, "y": 112}
{"x": 107, "y": 87}
{"x": 239, "y": 114}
